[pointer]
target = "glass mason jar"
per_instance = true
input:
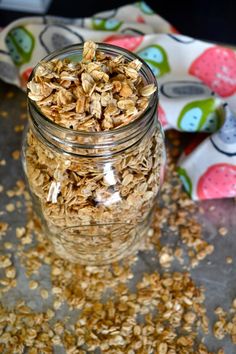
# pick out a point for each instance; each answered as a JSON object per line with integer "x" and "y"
{"x": 95, "y": 191}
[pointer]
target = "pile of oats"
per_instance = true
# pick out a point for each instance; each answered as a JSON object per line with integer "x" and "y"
{"x": 98, "y": 93}
{"x": 95, "y": 209}
{"x": 163, "y": 315}
{"x": 225, "y": 323}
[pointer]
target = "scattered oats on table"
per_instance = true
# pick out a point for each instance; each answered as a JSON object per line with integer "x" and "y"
{"x": 10, "y": 207}
{"x": 225, "y": 323}
{"x": 229, "y": 260}
{"x": 166, "y": 256}
{"x": 3, "y": 228}
{"x": 5, "y": 261}
{"x": 10, "y": 94}
{"x": 44, "y": 293}
{"x": 18, "y": 204}
{"x": 223, "y": 231}
{"x": 23, "y": 116}
{"x": 8, "y": 245}
{"x": 3, "y": 162}
{"x": 33, "y": 285}
{"x": 18, "y": 128}
{"x": 16, "y": 154}
{"x": 20, "y": 232}
{"x": 10, "y": 272}
{"x": 4, "y": 114}
{"x": 221, "y": 351}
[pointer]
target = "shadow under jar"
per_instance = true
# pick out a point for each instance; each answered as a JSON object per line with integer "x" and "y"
{"x": 95, "y": 191}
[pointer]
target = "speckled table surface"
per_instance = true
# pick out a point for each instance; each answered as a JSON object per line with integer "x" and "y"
{"x": 216, "y": 274}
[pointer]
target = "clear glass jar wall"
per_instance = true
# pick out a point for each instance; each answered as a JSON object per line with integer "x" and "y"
{"x": 95, "y": 192}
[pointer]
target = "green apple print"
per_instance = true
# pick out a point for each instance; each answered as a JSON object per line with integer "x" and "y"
{"x": 111, "y": 24}
{"x": 155, "y": 56}
{"x": 204, "y": 115}
{"x": 20, "y": 43}
{"x": 145, "y": 8}
{"x": 185, "y": 180}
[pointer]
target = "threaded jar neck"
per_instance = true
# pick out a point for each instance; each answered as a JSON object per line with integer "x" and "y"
{"x": 94, "y": 144}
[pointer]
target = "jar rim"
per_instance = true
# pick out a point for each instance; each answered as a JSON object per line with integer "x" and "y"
{"x": 145, "y": 70}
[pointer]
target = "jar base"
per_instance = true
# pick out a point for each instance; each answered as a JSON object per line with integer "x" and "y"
{"x": 98, "y": 244}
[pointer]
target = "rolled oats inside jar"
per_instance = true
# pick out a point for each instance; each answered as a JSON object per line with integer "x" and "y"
{"x": 94, "y": 151}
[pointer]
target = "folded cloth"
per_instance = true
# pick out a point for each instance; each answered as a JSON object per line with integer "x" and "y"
{"x": 197, "y": 81}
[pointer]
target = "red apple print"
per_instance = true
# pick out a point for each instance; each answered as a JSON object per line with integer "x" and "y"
{"x": 174, "y": 30}
{"x": 216, "y": 67}
{"x": 125, "y": 41}
{"x": 140, "y": 19}
{"x": 162, "y": 116}
{"x": 219, "y": 181}
{"x": 25, "y": 77}
{"x": 195, "y": 141}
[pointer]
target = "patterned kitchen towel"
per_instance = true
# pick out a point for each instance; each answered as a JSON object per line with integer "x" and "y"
{"x": 197, "y": 81}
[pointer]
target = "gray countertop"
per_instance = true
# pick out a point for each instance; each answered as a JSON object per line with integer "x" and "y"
{"x": 214, "y": 273}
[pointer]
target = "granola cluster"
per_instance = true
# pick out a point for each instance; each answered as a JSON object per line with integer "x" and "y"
{"x": 94, "y": 209}
{"x": 98, "y": 93}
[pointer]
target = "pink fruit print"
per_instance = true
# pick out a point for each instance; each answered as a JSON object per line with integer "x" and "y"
{"x": 216, "y": 67}
{"x": 125, "y": 41}
{"x": 162, "y": 116}
{"x": 25, "y": 77}
{"x": 140, "y": 19}
{"x": 219, "y": 181}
